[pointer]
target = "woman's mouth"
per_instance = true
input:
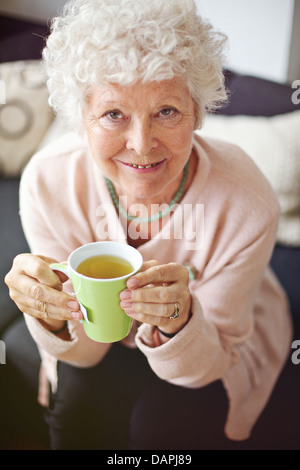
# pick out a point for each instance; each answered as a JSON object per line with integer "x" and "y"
{"x": 144, "y": 168}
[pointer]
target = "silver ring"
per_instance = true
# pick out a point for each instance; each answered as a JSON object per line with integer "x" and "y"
{"x": 176, "y": 312}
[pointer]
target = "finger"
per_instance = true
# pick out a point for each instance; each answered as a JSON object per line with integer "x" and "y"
{"x": 149, "y": 319}
{"x": 38, "y": 268}
{"x": 155, "y": 319}
{"x": 155, "y": 294}
{"x": 62, "y": 277}
{"x": 149, "y": 264}
{"x": 33, "y": 289}
{"x": 149, "y": 309}
{"x": 40, "y": 309}
{"x": 159, "y": 274}
{"x": 132, "y": 282}
{"x": 47, "y": 312}
{"x": 44, "y": 300}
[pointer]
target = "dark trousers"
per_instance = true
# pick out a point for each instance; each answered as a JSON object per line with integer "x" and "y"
{"x": 121, "y": 404}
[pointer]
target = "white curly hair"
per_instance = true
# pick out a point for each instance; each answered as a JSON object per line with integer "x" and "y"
{"x": 123, "y": 41}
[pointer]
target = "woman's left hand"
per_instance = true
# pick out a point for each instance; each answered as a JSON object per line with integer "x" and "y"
{"x": 153, "y": 294}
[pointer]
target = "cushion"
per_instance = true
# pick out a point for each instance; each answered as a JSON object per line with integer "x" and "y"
{"x": 21, "y": 40}
{"x": 56, "y": 130}
{"x": 24, "y": 113}
{"x": 274, "y": 145}
{"x": 255, "y": 96}
{"x": 12, "y": 242}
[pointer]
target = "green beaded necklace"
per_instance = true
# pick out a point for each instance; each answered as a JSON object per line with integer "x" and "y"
{"x": 160, "y": 214}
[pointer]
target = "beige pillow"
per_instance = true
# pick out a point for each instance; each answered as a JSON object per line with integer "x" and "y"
{"x": 56, "y": 130}
{"x": 274, "y": 144}
{"x": 24, "y": 113}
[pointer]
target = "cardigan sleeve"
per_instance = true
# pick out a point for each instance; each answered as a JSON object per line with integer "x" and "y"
{"x": 80, "y": 351}
{"x": 222, "y": 314}
{"x": 54, "y": 223}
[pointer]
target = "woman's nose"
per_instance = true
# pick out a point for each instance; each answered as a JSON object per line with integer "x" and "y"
{"x": 140, "y": 137}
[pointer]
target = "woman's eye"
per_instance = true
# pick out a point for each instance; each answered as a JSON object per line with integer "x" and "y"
{"x": 167, "y": 112}
{"x": 113, "y": 119}
{"x": 114, "y": 115}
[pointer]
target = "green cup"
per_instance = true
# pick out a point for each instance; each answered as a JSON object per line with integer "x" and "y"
{"x": 104, "y": 319}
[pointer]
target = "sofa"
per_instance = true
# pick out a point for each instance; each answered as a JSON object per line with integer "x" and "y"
{"x": 260, "y": 115}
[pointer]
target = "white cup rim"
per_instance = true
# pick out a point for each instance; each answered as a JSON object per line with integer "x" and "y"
{"x": 93, "y": 249}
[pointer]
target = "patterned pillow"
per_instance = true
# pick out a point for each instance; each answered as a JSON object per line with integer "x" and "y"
{"x": 274, "y": 144}
{"x": 24, "y": 113}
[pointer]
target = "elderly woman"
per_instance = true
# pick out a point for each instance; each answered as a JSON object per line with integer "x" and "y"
{"x": 133, "y": 80}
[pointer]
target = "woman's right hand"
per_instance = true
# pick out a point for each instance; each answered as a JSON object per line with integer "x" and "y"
{"x": 37, "y": 290}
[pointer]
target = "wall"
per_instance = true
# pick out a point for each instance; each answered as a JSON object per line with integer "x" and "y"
{"x": 294, "y": 63}
{"x": 263, "y": 40}
{"x": 259, "y": 33}
{"x": 33, "y": 10}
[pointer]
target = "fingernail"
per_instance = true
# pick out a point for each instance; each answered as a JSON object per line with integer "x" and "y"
{"x": 132, "y": 283}
{"x": 76, "y": 315}
{"x": 126, "y": 304}
{"x": 125, "y": 295}
{"x": 73, "y": 305}
{"x": 129, "y": 312}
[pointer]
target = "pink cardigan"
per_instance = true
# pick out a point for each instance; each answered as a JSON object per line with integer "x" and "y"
{"x": 240, "y": 330}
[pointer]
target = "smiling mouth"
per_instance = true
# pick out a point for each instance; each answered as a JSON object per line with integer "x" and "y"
{"x": 142, "y": 167}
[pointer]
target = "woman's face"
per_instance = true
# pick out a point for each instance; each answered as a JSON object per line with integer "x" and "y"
{"x": 140, "y": 136}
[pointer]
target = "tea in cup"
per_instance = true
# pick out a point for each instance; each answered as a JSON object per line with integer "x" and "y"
{"x": 99, "y": 272}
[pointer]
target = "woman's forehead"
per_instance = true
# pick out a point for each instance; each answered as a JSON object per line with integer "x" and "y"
{"x": 154, "y": 92}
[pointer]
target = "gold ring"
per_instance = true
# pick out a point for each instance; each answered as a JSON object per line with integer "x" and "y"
{"x": 43, "y": 310}
{"x": 176, "y": 312}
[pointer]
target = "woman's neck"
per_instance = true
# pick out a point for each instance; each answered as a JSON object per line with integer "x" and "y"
{"x": 157, "y": 202}
{"x": 139, "y": 233}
